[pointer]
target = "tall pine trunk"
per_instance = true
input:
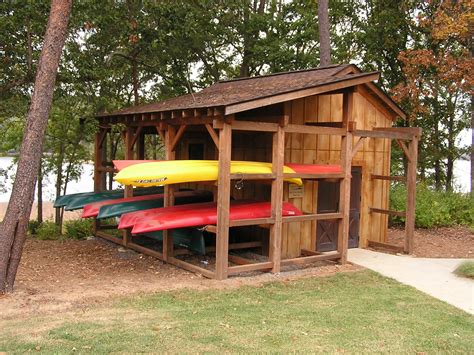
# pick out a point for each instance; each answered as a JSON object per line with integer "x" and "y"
{"x": 15, "y": 224}
{"x": 39, "y": 217}
{"x": 324, "y": 38}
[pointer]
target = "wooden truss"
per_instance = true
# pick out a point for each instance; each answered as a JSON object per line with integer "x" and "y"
{"x": 171, "y": 126}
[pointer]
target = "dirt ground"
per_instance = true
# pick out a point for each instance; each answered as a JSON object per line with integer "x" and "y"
{"x": 446, "y": 242}
{"x": 56, "y": 276}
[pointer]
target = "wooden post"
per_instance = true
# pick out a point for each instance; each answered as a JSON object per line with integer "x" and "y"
{"x": 140, "y": 146}
{"x": 411, "y": 196}
{"x": 98, "y": 160}
{"x": 345, "y": 186}
{"x": 128, "y": 190}
{"x": 278, "y": 155}
{"x": 223, "y": 201}
{"x": 168, "y": 200}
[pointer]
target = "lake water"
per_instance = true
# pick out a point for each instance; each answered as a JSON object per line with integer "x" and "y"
{"x": 84, "y": 184}
{"x": 462, "y": 170}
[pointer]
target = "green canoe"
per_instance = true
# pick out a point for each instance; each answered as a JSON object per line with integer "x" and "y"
{"x": 189, "y": 238}
{"x": 117, "y": 209}
{"x": 80, "y": 200}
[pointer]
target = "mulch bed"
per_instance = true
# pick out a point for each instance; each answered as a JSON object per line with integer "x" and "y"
{"x": 445, "y": 242}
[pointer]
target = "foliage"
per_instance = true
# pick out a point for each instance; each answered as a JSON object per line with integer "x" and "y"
{"x": 33, "y": 226}
{"x": 466, "y": 269}
{"x": 48, "y": 231}
{"x": 78, "y": 228}
{"x": 434, "y": 208}
{"x": 316, "y": 315}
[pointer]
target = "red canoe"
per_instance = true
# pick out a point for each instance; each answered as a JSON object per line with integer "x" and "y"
{"x": 92, "y": 209}
{"x": 127, "y": 220}
{"x": 193, "y": 216}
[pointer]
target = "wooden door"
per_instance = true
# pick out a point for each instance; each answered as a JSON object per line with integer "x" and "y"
{"x": 328, "y": 202}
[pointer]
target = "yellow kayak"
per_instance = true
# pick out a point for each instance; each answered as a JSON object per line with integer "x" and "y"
{"x": 182, "y": 171}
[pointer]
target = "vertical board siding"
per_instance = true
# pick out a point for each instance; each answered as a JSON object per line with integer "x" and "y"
{"x": 373, "y": 157}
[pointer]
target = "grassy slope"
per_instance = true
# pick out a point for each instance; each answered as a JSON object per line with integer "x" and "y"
{"x": 359, "y": 311}
{"x": 466, "y": 269}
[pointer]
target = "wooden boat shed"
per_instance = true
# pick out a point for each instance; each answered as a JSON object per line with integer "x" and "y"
{"x": 333, "y": 115}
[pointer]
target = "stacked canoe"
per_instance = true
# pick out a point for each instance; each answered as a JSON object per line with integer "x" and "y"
{"x": 145, "y": 215}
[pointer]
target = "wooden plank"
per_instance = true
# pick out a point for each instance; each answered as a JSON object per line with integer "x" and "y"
{"x": 307, "y": 252}
{"x": 305, "y": 129}
{"x": 345, "y": 186}
{"x": 388, "y": 212}
{"x": 389, "y": 178}
{"x": 248, "y": 126}
{"x": 414, "y": 131}
{"x": 335, "y": 85}
{"x": 356, "y": 147}
{"x": 136, "y": 135}
{"x": 251, "y": 222}
{"x": 396, "y": 248}
{"x": 311, "y": 259}
{"x": 98, "y": 161}
{"x": 312, "y": 217}
{"x": 191, "y": 267}
{"x": 223, "y": 201}
{"x": 213, "y": 134}
{"x": 168, "y": 198}
{"x": 242, "y": 176}
{"x": 278, "y": 152}
{"x": 144, "y": 250}
{"x": 381, "y": 134}
{"x": 336, "y": 117}
{"x": 314, "y": 176}
{"x": 177, "y": 137}
{"x": 411, "y": 196}
{"x": 109, "y": 237}
{"x": 232, "y": 270}
{"x": 405, "y": 149}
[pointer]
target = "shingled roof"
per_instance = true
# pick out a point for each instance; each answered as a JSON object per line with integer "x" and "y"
{"x": 225, "y": 94}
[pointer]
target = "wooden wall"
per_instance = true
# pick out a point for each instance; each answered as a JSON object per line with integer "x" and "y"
{"x": 373, "y": 157}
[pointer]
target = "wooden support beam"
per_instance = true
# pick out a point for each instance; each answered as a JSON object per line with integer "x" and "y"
{"x": 136, "y": 135}
{"x": 312, "y": 217}
{"x": 168, "y": 200}
{"x": 382, "y": 134}
{"x": 278, "y": 157}
{"x": 411, "y": 196}
{"x": 236, "y": 259}
{"x": 414, "y": 131}
{"x": 311, "y": 259}
{"x": 313, "y": 176}
{"x": 395, "y": 248}
{"x": 223, "y": 201}
{"x": 390, "y": 178}
{"x": 107, "y": 236}
{"x": 356, "y": 147}
{"x": 98, "y": 160}
{"x": 232, "y": 270}
{"x": 248, "y": 126}
{"x": 191, "y": 267}
{"x": 405, "y": 149}
{"x": 213, "y": 134}
{"x": 307, "y": 252}
{"x": 239, "y": 176}
{"x": 388, "y": 212}
{"x": 251, "y": 222}
{"x": 177, "y": 137}
{"x": 345, "y": 185}
{"x": 305, "y": 129}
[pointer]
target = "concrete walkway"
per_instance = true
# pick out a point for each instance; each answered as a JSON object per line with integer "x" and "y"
{"x": 432, "y": 276}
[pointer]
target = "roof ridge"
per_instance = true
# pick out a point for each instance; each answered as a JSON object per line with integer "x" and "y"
{"x": 282, "y": 73}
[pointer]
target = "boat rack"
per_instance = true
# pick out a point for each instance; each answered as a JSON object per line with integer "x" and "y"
{"x": 219, "y": 125}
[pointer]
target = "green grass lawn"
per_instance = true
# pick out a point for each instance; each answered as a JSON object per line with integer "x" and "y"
{"x": 466, "y": 269}
{"x": 356, "y": 312}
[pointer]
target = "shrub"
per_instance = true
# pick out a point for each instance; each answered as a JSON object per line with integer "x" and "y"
{"x": 48, "y": 231}
{"x": 33, "y": 226}
{"x": 466, "y": 269}
{"x": 434, "y": 208}
{"x": 78, "y": 228}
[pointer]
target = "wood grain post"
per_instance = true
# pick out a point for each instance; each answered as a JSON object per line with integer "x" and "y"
{"x": 98, "y": 160}
{"x": 223, "y": 201}
{"x": 128, "y": 190}
{"x": 345, "y": 187}
{"x": 168, "y": 247}
{"x": 411, "y": 196}
{"x": 278, "y": 155}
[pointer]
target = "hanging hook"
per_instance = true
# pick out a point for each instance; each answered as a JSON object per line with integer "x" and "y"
{"x": 239, "y": 185}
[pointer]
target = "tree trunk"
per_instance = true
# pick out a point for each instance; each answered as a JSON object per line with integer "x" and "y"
{"x": 15, "y": 224}
{"x": 59, "y": 182}
{"x": 472, "y": 145}
{"x": 324, "y": 39}
{"x": 39, "y": 218}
